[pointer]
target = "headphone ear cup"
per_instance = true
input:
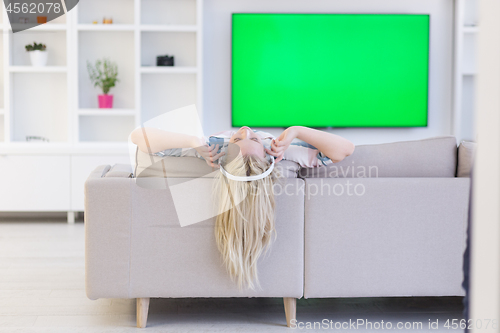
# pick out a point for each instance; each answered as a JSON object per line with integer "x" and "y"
{"x": 270, "y": 158}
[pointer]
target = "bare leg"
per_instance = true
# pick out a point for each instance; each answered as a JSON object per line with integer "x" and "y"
{"x": 290, "y": 309}
{"x": 142, "y": 312}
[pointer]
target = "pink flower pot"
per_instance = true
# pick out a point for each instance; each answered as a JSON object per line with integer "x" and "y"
{"x": 105, "y": 101}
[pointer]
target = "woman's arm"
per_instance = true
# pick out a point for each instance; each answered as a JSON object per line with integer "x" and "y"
{"x": 333, "y": 146}
{"x": 152, "y": 140}
{"x": 159, "y": 140}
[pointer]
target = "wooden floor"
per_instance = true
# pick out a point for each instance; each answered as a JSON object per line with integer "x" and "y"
{"x": 42, "y": 290}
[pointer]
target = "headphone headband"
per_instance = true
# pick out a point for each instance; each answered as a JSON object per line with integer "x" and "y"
{"x": 248, "y": 178}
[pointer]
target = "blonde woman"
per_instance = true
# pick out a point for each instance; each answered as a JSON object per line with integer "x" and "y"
{"x": 244, "y": 227}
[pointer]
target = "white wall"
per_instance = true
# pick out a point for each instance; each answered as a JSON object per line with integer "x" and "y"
{"x": 217, "y": 60}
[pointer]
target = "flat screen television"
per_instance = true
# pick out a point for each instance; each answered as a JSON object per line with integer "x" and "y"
{"x": 329, "y": 70}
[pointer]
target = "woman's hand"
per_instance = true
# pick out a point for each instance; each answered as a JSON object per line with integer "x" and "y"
{"x": 279, "y": 145}
{"x": 209, "y": 153}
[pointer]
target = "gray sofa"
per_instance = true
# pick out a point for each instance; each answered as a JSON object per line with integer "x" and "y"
{"x": 397, "y": 231}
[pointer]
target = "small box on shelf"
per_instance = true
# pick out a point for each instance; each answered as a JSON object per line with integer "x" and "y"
{"x": 165, "y": 60}
{"x": 180, "y": 44}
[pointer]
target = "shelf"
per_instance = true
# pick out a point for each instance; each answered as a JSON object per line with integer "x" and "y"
{"x": 470, "y": 29}
{"x": 31, "y": 69}
{"x": 106, "y": 27}
{"x": 50, "y": 27}
{"x": 167, "y": 69}
{"x": 39, "y": 148}
{"x": 43, "y": 27}
{"x": 173, "y": 28}
{"x": 469, "y": 73}
{"x": 106, "y": 112}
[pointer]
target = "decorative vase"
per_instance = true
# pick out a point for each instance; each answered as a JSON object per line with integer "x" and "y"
{"x": 38, "y": 58}
{"x": 105, "y": 101}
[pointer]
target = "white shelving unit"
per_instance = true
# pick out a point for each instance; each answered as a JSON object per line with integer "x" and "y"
{"x": 466, "y": 31}
{"x": 59, "y": 102}
{"x": 139, "y": 34}
{"x": 142, "y": 30}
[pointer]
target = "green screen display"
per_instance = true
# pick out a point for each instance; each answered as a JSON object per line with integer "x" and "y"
{"x": 330, "y": 70}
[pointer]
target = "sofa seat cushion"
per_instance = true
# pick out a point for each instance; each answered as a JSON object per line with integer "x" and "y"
{"x": 432, "y": 157}
{"x": 147, "y": 165}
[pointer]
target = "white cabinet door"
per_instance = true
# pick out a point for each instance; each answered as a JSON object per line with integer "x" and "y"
{"x": 34, "y": 183}
{"x": 81, "y": 167}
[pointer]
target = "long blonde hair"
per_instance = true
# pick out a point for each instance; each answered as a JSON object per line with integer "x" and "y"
{"x": 245, "y": 224}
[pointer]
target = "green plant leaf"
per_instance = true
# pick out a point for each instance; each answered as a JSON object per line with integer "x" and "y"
{"x": 103, "y": 74}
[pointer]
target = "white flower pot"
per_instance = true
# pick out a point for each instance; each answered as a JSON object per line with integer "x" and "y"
{"x": 38, "y": 58}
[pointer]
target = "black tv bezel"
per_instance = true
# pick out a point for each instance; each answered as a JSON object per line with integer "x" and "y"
{"x": 332, "y": 127}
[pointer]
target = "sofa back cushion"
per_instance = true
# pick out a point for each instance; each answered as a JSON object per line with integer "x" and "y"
{"x": 466, "y": 151}
{"x": 432, "y": 157}
{"x": 147, "y": 165}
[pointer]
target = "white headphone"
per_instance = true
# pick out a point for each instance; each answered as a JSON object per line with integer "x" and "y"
{"x": 248, "y": 178}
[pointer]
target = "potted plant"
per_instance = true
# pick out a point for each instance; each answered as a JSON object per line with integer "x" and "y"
{"x": 38, "y": 54}
{"x": 104, "y": 75}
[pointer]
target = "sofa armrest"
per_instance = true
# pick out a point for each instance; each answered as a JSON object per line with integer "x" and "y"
{"x": 99, "y": 171}
{"x": 120, "y": 170}
{"x": 107, "y": 234}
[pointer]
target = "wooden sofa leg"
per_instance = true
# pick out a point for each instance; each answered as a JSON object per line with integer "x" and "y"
{"x": 142, "y": 312}
{"x": 290, "y": 309}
